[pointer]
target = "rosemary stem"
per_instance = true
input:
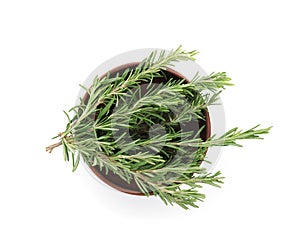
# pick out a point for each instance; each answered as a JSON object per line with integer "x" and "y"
{"x": 53, "y": 146}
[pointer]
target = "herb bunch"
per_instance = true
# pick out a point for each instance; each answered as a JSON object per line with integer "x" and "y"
{"x": 104, "y": 129}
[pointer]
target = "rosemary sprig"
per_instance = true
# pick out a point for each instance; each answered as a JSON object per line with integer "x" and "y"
{"x": 99, "y": 132}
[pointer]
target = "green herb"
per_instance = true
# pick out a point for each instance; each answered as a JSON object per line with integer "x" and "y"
{"x": 109, "y": 129}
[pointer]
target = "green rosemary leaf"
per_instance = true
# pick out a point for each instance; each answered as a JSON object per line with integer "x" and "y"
{"x": 65, "y": 151}
{"x": 75, "y": 163}
{"x": 105, "y": 109}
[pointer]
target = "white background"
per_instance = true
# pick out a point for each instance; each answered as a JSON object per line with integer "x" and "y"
{"x": 48, "y": 47}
